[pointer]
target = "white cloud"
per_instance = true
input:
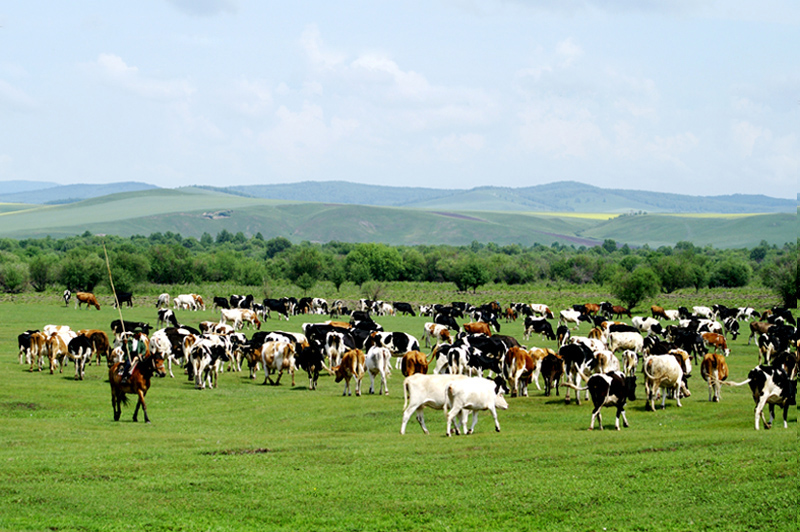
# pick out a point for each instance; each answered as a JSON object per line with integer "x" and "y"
{"x": 253, "y": 98}
{"x": 116, "y": 72}
{"x": 320, "y": 57}
{"x": 560, "y": 129}
{"x": 15, "y": 97}
{"x": 568, "y": 51}
{"x": 745, "y": 135}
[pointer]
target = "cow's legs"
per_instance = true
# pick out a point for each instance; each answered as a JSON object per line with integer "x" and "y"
{"x": 759, "y": 412}
{"x": 596, "y": 416}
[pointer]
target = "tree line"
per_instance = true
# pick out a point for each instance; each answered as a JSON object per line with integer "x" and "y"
{"x": 632, "y": 274}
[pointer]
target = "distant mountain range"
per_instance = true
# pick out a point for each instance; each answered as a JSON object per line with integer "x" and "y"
{"x": 563, "y": 196}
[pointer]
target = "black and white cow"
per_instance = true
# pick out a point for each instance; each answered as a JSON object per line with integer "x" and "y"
{"x": 606, "y": 389}
{"x": 279, "y": 306}
{"x": 731, "y": 327}
{"x": 771, "y": 386}
{"x": 578, "y": 360}
{"x": 167, "y": 316}
{"x": 67, "y": 295}
{"x": 538, "y": 325}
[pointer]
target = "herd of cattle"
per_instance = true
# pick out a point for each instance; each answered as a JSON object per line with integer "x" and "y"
{"x": 606, "y": 359}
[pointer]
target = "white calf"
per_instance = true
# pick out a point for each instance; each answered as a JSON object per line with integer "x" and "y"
{"x": 376, "y": 362}
{"x": 473, "y": 394}
{"x": 420, "y": 391}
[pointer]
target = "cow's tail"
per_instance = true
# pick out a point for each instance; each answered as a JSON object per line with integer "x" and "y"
{"x": 646, "y": 373}
{"x": 731, "y": 383}
{"x": 405, "y": 395}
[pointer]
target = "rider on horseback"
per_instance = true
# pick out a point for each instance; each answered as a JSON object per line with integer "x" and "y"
{"x": 133, "y": 348}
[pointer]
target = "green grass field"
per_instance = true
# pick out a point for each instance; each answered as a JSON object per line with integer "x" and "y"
{"x": 247, "y": 456}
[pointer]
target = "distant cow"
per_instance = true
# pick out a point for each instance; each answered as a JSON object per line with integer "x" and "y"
{"x": 86, "y": 298}
{"x": 124, "y": 297}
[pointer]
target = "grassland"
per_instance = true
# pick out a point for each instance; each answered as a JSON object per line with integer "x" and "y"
{"x": 246, "y": 456}
{"x": 192, "y": 212}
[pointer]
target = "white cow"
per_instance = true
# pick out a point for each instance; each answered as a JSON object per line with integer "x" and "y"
{"x": 163, "y": 300}
{"x": 571, "y": 316}
{"x": 420, "y": 391}
{"x": 376, "y": 362}
{"x": 474, "y": 394}
{"x": 433, "y": 330}
{"x": 625, "y": 340}
{"x": 646, "y": 325}
{"x": 184, "y": 302}
{"x": 705, "y": 312}
{"x": 666, "y": 371}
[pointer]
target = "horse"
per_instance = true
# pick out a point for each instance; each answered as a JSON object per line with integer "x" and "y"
{"x": 138, "y": 383}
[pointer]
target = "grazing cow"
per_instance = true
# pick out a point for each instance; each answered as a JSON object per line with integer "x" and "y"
{"x": 658, "y": 312}
{"x": 578, "y": 360}
{"x": 477, "y": 327}
{"x": 731, "y": 327}
{"x": 747, "y": 313}
{"x": 376, "y": 362}
{"x": 220, "y": 302}
{"x": 166, "y": 316}
{"x": 572, "y": 316}
{"x": 717, "y": 341}
{"x": 704, "y": 312}
{"x": 758, "y": 327}
{"x": 198, "y": 301}
{"x": 123, "y": 297}
{"x": 518, "y": 369}
{"x": 625, "y": 340}
{"x": 279, "y": 306}
{"x": 647, "y": 325}
{"x": 714, "y": 369}
{"x": 542, "y": 310}
{"x": 277, "y": 356}
{"x": 404, "y": 308}
{"x": 414, "y": 362}
{"x": 130, "y": 326}
{"x": 79, "y": 351}
{"x": 86, "y": 298}
{"x": 420, "y": 391}
{"x": 447, "y": 321}
{"x": 474, "y": 394}
{"x": 67, "y": 295}
{"x": 433, "y": 330}
{"x": 618, "y": 311}
{"x": 666, "y": 371}
{"x": 552, "y": 369}
{"x": 538, "y": 325}
{"x": 184, "y": 302}
{"x": 163, "y": 300}
{"x": 237, "y": 301}
{"x": 352, "y": 366}
{"x": 238, "y": 317}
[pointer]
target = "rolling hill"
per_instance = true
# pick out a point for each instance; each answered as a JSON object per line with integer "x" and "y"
{"x": 193, "y": 211}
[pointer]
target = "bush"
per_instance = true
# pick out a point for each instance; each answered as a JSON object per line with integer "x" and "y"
{"x": 730, "y": 274}
{"x": 633, "y": 287}
{"x": 14, "y": 276}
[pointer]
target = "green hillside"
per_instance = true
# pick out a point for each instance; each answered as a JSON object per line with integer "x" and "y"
{"x": 193, "y": 211}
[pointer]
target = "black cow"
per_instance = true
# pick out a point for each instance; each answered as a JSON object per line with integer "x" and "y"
{"x": 130, "y": 326}
{"x": 124, "y": 297}
{"x": 221, "y": 302}
{"x": 552, "y": 369}
{"x": 446, "y": 320}
{"x": 404, "y": 308}
{"x": 242, "y": 301}
{"x": 278, "y": 305}
{"x": 311, "y": 358}
{"x": 538, "y": 325}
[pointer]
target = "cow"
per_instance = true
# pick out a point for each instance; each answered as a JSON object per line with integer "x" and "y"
{"x": 647, "y": 325}
{"x": 66, "y": 295}
{"x": 277, "y": 356}
{"x": 166, "y": 316}
{"x": 336, "y": 344}
{"x": 184, "y": 302}
{"x": 38, "y": 350}
{"x": 420, "y": 391}
{"x": 352, "y": 366}
{"x": 625, "y": 340}
{"x": 79, "y": 350}
{"x": 477, "y": 327}
{"x": 376, "y": 362}
{"x": 163, "y": 300}
{"x": 552, "y": 369}
{"x": 747, "y": 313}
{"x": 618, "y": 311}
{"x": 758, "y": 328}
{"x": 606, "y": 361}
{"x": 207, "y": 356}
{"x": 542, "y": 310}
{"x": 731, "y": 327}
{"x": 717, "y": 341}
{"x": 26, "y": 346}
{"x": 241, "y": 302}
{"x": 606, "y": 389}
{"x": 658, "y": 312}
{"x": 538, "y": 325}
{"x": 238, "y": 317}
{"x": 220, "y": 302}
{"x": 414, "y": 362}
{"x": 538, "y": 354}
{"x": 572, "y": 316}
{"x": 447, "y": 321}
{"x": 578, "y": 360}
{"x": 772, "y": 385}
{"x": 474, "y": 394}
{"x": 123, "y": 297}
{"x": 118, "y": 326}
{"x": 666, "y": 371}
{"x": 399, "y": 343}
{"x": 100, "y": 345}
{"x": 198, "y": 301}
{"x": 511, "y": 315}
{"x": 56, "y": 349}
{"x": 310, "y": 358}
{"x": 629, "y": 362}
{"x": 518, "y": 369}
{"x": 433, "y": 330}
{"x": 86, "y": 298}
{"x": 714, "y": 369}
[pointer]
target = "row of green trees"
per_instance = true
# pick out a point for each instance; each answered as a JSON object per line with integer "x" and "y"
{"x": 632, "y": 274}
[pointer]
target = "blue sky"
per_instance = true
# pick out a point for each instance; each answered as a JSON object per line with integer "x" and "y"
{"x": 687, "y": 96}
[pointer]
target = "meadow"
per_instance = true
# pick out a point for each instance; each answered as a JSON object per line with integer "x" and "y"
{"x": 246, "y": 456}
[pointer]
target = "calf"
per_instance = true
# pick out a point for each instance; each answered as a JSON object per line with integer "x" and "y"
{"x": 420, "y": 391}
{"x": 714, "y": 369}
{"x": 352, "y": 365}
{"x": 474, "y": 394}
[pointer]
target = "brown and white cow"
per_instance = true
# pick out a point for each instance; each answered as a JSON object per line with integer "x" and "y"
{"x": 414, "y": 362}
{"x": 717, "y": 341}
{"x": 352, "y": 366}
{"x": 666, "y": 371}
{"x": 478, "y": 327}
{"x": 714, "y": 369}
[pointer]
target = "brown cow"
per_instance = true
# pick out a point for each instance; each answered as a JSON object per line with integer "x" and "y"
{"x": 198, "y": 299}
{"x": 758, "y": 327}
{"x": 511, "y": 315}
{"x": 538, "y": 354}
{"x": 478, "y": 327}
{"x": 414, "y": 362}
{"x": 619, "y": 311}
{"x": 658, "y": 312}
{"x": 86, "y": 298}
{"x": 518, "y": 368}
{"x": 100, "y": 344}
{"x": 352, "y": 365}
{"x": 714, "y": 369}
{"x": 717, "y": 341}
{"x": 592, "y": 308}
{"x": 552, "y": 369}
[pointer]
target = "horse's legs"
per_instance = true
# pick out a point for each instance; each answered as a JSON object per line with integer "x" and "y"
{"x": 144, "y": 407}
{"x": 115, "y": 404}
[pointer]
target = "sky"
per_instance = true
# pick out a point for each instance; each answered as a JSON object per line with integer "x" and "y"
{"x": 694, "y": 97}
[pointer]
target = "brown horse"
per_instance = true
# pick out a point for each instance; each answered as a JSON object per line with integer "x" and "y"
{"x": 138, "y": 383}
